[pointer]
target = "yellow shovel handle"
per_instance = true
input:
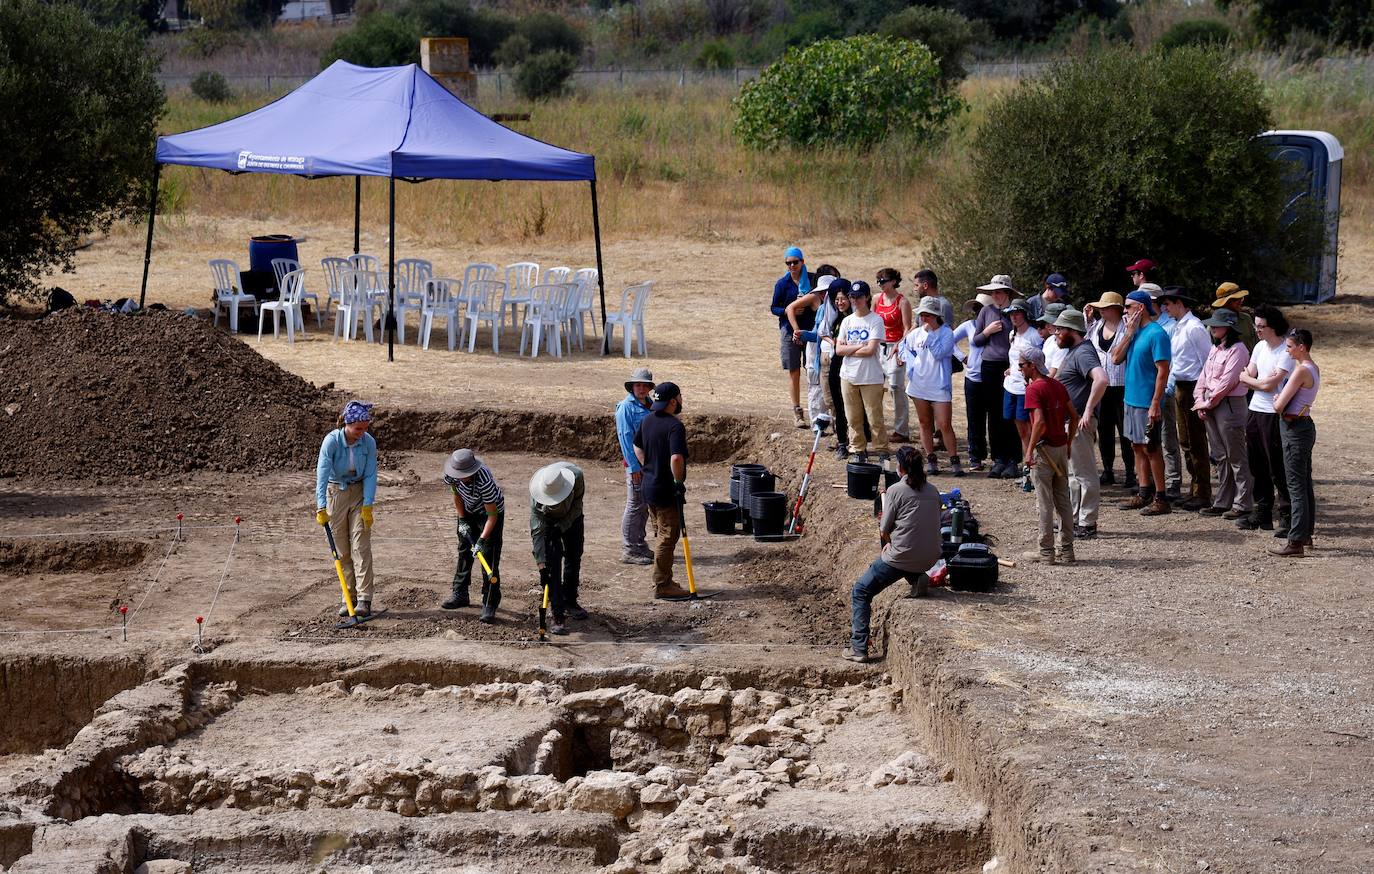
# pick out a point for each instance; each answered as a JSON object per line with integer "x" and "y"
{"x": 348, "y": 601}
{"x": 486, "y": 567}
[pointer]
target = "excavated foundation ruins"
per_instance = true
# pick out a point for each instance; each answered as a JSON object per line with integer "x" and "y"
{"x": 209, "y": 768}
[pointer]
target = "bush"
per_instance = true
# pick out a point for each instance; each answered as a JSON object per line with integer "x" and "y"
{"x": 1341, "y": 22}
{"x": 548, "y": 31}
{"x": 484, "y": 29}
{"x": 513, "y": 51}
{"x": 1116, "y": 155}
{"x": 377, "y": 40}
{"x": 715, "y": 55}
{"x": 803, "y": 30}
{"x": 77, "y": 160}
{"x": 1200, "y": 32}
{"x": 211, "y": 87}
{"x": 946, "y": 33}
{"x": 544, "y": 75}
{"x": 854, "y": 91}
{"x": 235, "y": 14}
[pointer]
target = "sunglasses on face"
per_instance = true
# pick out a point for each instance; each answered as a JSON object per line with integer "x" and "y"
{"x": 886, "y": 281}
{"x": 791, "y": 262}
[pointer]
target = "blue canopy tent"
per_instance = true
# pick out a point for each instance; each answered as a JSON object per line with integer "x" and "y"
{"x": 356, "y": 121}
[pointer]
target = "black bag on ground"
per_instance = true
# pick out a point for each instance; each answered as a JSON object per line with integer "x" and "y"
{"x": 60, "y": 299}
{"x": 973, "y": 568}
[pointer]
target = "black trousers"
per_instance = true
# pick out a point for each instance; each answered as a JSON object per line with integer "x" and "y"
{"x": 1111, "y": 430}
{"x": 1264, "y": 445}
{"x": 977, "y": 416}
{"x": 1003, "y": 439}
{"x": 563, "y": 567}
{"x": 462, "y": 574}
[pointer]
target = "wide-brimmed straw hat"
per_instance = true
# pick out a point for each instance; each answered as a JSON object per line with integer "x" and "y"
{"x": 1228, "y": 291}
{"x": 552, "y": 484}
{"x": 931, "y": 307}
{"x": 1000, "y": 282}
{"x": 984, "y": 298}
{"x": 1109, "y": 299}
{"x": 641, "y": 374}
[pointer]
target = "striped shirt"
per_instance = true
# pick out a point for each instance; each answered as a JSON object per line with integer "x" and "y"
{"x": 478, "y": 490}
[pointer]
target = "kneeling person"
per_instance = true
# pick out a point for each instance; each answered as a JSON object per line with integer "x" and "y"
{"x": 556, "y": 534}
{"x": 910, "y": 534}
{"x": 481, "y": 508}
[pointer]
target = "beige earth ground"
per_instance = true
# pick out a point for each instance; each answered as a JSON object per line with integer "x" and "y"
{"x": 1177, "y": 701}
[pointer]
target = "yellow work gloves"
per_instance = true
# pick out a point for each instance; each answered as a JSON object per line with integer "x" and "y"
{"x": 367, "y": 517}
{"x": 322, "y": 517}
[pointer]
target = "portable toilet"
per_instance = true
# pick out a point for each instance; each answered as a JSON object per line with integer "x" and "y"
{"x": 1313, "y": 173}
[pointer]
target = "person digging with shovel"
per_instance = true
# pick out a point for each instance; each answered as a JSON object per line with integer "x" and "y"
{"x": 661, "y": 447}
{"x": 481, "y": 508}
{"x": 345, "y": 487}
{"x": 556, "y": 535}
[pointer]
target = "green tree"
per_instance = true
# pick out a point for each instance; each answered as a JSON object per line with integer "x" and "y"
{"x": 1196, "y": 32}
{"x": 1118, "y": 154}
{"x": 854, "y": 91}
{"x": 81, "y": 109}
{"x": 545, "y": 74}
{"x": 484, "y": 29}
{"x": 1345, "y": 22}
{"x": 946, "y": 33}
{"x": 146, "y": 15}
{"x": 377, "y": 40}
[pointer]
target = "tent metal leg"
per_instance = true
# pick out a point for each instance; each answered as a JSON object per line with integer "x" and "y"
{"x": 600, "y": 273}
{"x": 391, "y": 274}
{"x": 357, "y": 210}
{"x": 148, "y": 246}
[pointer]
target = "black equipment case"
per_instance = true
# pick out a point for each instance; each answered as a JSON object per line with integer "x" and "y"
{"x": 973, "y": 568}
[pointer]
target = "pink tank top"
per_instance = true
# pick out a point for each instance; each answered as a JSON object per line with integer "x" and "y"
{"x": 892, "y": 318}
{"x": 1304, "y": 398}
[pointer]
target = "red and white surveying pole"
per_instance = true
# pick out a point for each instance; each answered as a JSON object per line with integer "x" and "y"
{"x": 818, "y": 424}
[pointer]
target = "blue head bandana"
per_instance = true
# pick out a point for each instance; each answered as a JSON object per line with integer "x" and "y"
{"x": 804, "y": 281}
{"x": 357, "y": 411}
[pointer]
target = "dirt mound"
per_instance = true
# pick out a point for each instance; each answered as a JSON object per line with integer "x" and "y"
{"x": 95, "y": 395}
{"x": 59, "y": 556}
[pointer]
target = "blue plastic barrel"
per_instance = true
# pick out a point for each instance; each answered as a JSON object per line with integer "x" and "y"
{"x": 261, "y": 251}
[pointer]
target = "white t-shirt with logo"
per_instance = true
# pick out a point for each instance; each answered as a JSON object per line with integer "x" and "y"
{"x": 1014, "y": 382}
{"x": 858, "y": 330}
{"x": 1267, "y": 359}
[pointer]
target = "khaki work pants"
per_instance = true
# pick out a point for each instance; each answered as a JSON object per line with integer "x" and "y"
{"x": 858, "y": 401}
{"x": 1085, "y": 490}
{"x": 1052, "y": 498}
{"x": 352, "y": 538}
{"x": 668, "y": 530}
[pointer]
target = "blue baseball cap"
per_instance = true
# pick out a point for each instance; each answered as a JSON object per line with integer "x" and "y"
{"x": 1144, "y": 298}
{"x": 859, "y": 288}
{"x": 839, "y": 286}
{"x": 1057, "y": 280}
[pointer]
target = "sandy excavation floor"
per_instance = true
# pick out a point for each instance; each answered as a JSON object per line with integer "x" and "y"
{"x": 1176, "y": 701}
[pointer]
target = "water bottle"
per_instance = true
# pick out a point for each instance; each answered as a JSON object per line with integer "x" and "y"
{"x": 956, "y": 524}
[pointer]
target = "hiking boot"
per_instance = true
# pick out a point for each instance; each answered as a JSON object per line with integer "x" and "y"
{"x": 575, "y": 611}
{"x": 457, "y": 600}
{"x": 842, "y": 451}
{"x": 343, "y": 609}
{"x": 363, "y": 609}
{"x": 848, "y": 654}
{"x": 1247, "y": 523}
{"x": 1065, "y": 556}
{"x": 1282, "y": 527}
{"x": 1130, "y": 482}
{"x": 1194, "y": 504}
{"x": 978, "y": 466}
{"x": 1291, "y": 549}
{"x": 1212, "y": 511}
{"x": 1027, "y": 485}
{"x": 492, "y": 601}
{"x": 1232, "y": 515}
{"x": 799, "y": 418}
{"x": 671, "y": 592}
{"x": 558, "y": 628}
{"x": 1158, "y": 507}
{"x": 899, "y": 438}
{"x": 1085, "y": 532}
{"x": 1013, "y": 470}
{"x": 1264, "y": 519}
{"x": 1174, "y": 494}
{"x": 636, "y": 558}
{"x": 955, "y": 469}
{"x": 1043, "y": 556}
{"x": 932, "y": 467}
{"x": 1139, "y": 502}
{"x": 1106, "y": 478}
{"x": 996, "y": 471}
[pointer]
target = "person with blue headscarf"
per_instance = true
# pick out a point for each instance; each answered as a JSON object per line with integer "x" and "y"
{"x": 797, "y": 281}
{"x": 345, "y": 487}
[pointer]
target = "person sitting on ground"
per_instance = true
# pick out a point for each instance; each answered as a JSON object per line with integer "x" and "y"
{"x": 345, "y": 487}
{"x": 1085, "y": 380}
{"x": 1190, "y": 344}
{"x": 927, "y": 353}
{"x": 1146, "y": 352}
{"x": 818, "y": 304}
{"x": 1044, "y": 324}
{"x": 628, "y": 414}
{"x": 974, "y": 414}
{"x": 1270, "y": 365}
{"x": 661, "y": 445}
{"x": 1024, "y": 336}
{"x": 481, "y": 515}
{"x": 1052, "y": 432}
{"x": 895, "y": 310}
{"x": 556, "y": 536}
{"x": 1294, "y": 405}
{"x": 924, "y": 284}
{"x": 791, "y": 285}
{"x": 1232, "y": 297}
{"x": 1220, "y": 402}
{"x": 862, "y": 373}
{"x": 910, "y": 534}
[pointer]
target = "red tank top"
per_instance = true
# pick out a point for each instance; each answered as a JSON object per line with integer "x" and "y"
{"x": 892, "y": 318}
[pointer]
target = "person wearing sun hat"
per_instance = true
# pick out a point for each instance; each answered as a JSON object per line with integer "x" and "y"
{"x": 1173, "y": 456}
{"x": 1146, "y": 352}
{"x": 1232, "y": 297}
{"x": 557, "y": 537}
{"x": 1105, "y": 334}
{"x": 1220, "y": 401}
{"x": 1085, "y": 380}
{"x": 1191, "y": 344}
{"x": 1024, "y": 336}
{"x": 481, "y": 508}
{"x": 793, "y": 284}
{"x": 993, "y": 334}
{"x": 927, "y": 351}
{"x": 345, "y": 487}
{"x": 632, "y": 410}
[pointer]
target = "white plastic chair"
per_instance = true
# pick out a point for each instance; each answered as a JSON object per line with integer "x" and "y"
{"x": 283, "y": 266}
{"x": 288, "y": 306}
{"x": 472, "y": 273}
{"x": 520, "y": 278}
{"x": 630, "y": 317}
{"x": 365, "y": 262}
{"x": 589, "y": 277}
{"x": 411, "y": 274}
{"x": 355, "y": 306}
{"x": 439, "y": 303}
{"x": 544, "y": 320}
{"x": 229, "y": 296}
{"x": 486, "y": 303}
{"x": 556, "y": 275}
{"x": 333, "y": 280}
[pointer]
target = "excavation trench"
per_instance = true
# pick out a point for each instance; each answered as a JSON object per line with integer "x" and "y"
{"x": 717, "y": 775}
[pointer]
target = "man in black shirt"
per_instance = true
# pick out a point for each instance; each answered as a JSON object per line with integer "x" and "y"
{"x": 661, "y": 446}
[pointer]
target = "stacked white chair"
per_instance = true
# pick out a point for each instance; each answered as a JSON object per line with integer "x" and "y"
{"x": 229, "y": 294}
{"x": 520, "y": 278}
{"x": 283, "y": 266}
{"x": 440, "y": 302}
{"x": 568, "y": 316}
{"x": 288, "y": 305}
{"x": 630, "y": 316}
{"x": 588, "y": 277}
{"x": 556, "y": 275}
{"x": 333, "y": 280}
{"x": 411, "y": 276}
{"x": 544, "y": 320}
{"x": 355, "y": 305}
{"x": 485, "y": 303}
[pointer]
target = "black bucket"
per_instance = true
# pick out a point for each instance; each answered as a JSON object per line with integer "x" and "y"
{"x": 769, "y": 512}
{"x": 737, "y": 472}
{"x": 862, "y": 480}
{"x": 720, "y": 517}
{"x": 892, "y": 477}
{"x": 750, "y": 483}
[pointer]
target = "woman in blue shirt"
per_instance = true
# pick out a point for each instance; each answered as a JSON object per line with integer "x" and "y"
{"x": 345, "y": 487}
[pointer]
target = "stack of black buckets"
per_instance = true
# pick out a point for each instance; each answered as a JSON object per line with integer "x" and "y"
{"x": 753, "y": 502}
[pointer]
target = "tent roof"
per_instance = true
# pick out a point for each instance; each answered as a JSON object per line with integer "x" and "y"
{"x": 363, "y": 121}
